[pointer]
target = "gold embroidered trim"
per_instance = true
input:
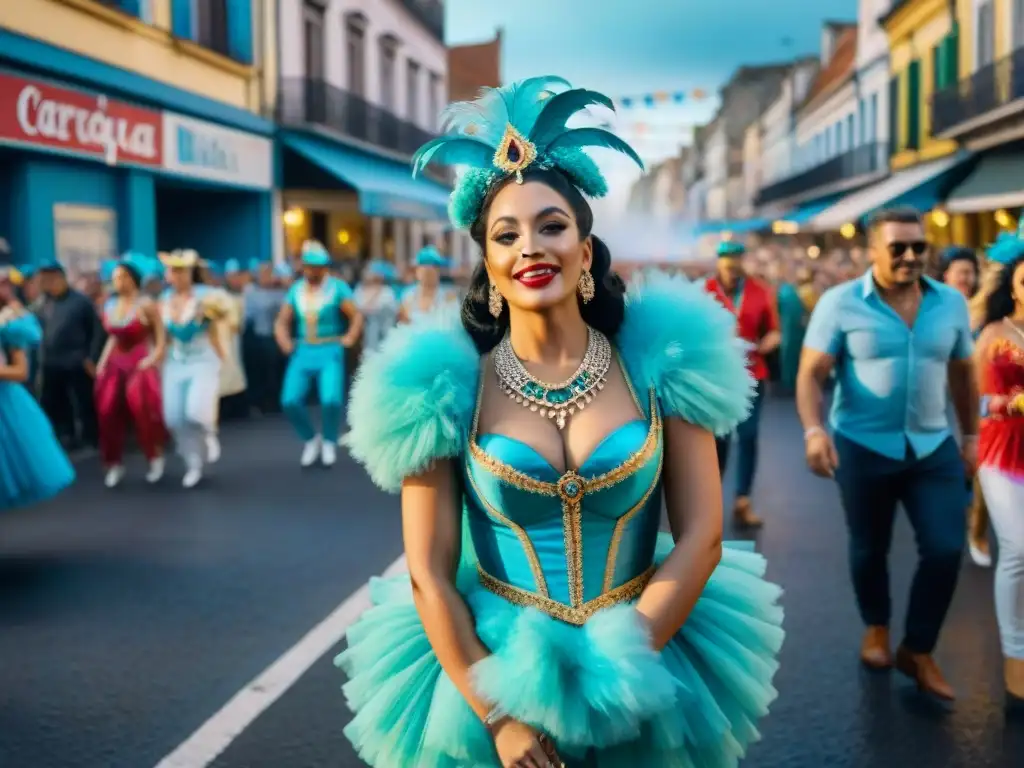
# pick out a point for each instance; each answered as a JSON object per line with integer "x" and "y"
{"x": 576, "y": 615}
{"x": 620, "y": 527}
{"x": 521, "y": 534}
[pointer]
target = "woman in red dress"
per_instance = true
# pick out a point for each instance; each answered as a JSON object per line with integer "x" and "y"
{"x": 1000, "y": 356}
{"x": 128, "y": 377}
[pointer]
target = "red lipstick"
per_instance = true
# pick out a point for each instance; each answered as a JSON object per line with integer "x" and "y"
{"x": 537, "y": 275}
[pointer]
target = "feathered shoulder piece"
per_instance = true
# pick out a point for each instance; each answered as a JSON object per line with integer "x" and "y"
{"x": 413, "y": 398}
{"x": 19, "y": 328}
{"x": 677, "y": 338}
{"x": 519, "y": 126}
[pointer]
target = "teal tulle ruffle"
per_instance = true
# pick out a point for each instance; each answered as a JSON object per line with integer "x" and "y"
{"x": 598, "y": 691}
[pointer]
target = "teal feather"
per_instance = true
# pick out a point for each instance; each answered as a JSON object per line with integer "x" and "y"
{"x": 1007, "y": 248}
{"x": 453, "y": 150}
{"x": 525, "y": 100}
{"x": 594, "y": 137}
{"x": 559, "y": 109}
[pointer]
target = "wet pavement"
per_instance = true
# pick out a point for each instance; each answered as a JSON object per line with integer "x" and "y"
{"x": 128, "y": 618}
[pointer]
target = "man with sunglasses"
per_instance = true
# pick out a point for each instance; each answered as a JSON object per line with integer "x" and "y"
{"x": 894, "y": 339}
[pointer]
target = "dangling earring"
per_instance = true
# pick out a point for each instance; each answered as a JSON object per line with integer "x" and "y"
{"x": 495, "y": 303}
{"x": 585, "y": 287}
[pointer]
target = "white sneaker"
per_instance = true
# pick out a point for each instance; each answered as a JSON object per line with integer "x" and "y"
{"x": 329, "y": 454}
{"x": 194, "y": 473}
{"x": 114, "y": 476}
{"x": 156, "y": 470}
{"x": 212, "y": 448}
{"x": 311, "y": 452}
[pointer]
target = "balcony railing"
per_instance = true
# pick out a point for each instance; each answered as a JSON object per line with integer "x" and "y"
{"x": 429, "y": 13}
{"x": 865, "y": 159}
{"x": 991, "y": 87}
{"x": 305, "y": 101}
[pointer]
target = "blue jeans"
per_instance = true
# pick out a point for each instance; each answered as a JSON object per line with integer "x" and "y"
{"x": 931, "y": 490}
{"x": 747, "y": 433}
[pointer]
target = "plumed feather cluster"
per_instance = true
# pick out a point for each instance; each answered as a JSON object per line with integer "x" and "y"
{"x": 1007, "y": 248}
{"x": 538, "y": 111}
{"x": 680, "y": 340}
{"x": 412, "y": 399}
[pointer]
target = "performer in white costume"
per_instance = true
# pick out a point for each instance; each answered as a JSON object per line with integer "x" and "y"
{"x": 191, "y": 376}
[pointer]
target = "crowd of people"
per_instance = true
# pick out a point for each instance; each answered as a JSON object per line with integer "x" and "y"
{"x": 532, "y": 496}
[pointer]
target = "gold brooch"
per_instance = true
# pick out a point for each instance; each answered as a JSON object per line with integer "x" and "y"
{"x": 514, "y": 153}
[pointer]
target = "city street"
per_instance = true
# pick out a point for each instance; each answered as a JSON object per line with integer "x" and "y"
{"x": 130, "y": 618}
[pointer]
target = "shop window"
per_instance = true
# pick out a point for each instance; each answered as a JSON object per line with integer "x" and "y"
{"x": 212, "y": 26}
{"x": 313, "y": 39}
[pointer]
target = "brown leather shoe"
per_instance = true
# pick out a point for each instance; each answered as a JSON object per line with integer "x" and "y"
{"x": 743, "y": 514}
{"x": 922, "y": 669}
{"x": 875, "y": 652}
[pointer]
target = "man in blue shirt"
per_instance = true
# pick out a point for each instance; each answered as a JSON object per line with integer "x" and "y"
{"x": 896, "y": 340}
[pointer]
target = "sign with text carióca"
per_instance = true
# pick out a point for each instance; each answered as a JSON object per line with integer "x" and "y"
{"x": 47, "y": 116}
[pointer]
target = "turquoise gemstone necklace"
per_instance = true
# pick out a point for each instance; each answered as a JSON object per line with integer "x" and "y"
{"x": 555, "y": 401}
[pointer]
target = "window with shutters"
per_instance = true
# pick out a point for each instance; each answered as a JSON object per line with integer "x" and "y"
{"x": 388, "y": 57}
{"x": 985, "y": 38}
{"x": 851, "y": 136}
{"x": 939, "y": 66}
{"x": 872, "y": 129}
{"x": 914, "y": 105}
{"x": 313, "y": 40}
{"x": 355, "y": 52}
{"x": 412, "y": 91}
{"x": 1017, "y": 23}
{"x": 895, "y": 140}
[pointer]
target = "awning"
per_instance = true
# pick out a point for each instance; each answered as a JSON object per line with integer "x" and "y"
{"x": 919, "y": 187}
{"x": 734, "y": 226}
{"x": 995, "y": 182}
{"x": 804, "y": 213}
{"x": 386, "y": 188}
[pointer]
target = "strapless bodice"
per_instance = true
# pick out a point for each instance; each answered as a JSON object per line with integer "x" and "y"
{"x": 567, "y": 543}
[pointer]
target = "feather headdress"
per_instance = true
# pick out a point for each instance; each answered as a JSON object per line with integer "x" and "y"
{"x": 519, "y": 126}
{"x": 1008, "y": 247}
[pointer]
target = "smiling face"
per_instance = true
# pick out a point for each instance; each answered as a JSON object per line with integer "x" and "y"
{"x": 534, "y": 250}
{"x": 962, "y": 275}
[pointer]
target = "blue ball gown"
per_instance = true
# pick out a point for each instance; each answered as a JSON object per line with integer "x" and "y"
{"x": 552, "y": 563}
{"x": 33, "y": 465}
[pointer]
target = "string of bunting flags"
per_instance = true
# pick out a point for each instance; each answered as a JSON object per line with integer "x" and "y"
{"x": 661, "y": 97}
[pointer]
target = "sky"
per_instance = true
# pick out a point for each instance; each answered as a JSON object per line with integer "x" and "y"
{"x": 634, "y": 47}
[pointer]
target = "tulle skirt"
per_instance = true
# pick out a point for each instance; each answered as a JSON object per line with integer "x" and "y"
{"x": 33, "y": 465}
{"x": 603, "y": 696}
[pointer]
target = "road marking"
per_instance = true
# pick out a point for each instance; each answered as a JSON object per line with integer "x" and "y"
{"x": 216, "y": 734}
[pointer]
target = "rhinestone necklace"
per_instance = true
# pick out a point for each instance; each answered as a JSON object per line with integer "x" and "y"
{"x": 555, "y": 401}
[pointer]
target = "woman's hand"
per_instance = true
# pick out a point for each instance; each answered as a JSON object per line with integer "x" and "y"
{"x": 147, "y": 362}
{"x": 519, "y": 746}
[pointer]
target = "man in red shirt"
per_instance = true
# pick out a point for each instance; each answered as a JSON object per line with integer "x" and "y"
{"x": 757, "y": 321}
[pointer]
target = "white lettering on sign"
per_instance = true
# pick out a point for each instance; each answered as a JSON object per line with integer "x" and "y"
{"x": 51, "y": 119}
{"x": 204, "y": 150}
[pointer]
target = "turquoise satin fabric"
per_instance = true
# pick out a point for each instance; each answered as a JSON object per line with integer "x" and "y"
{"x": 499, "y": 549}
{"x": 330, "y": 320}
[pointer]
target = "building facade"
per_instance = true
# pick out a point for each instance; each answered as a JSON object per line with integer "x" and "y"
{"x": 779, "y": 144}
{"x": 873, "y": 73}
{"x": 472, "y": 67}
{"x": 362, "y": 85}
{"x": 980, "y": 103}
{"x": 135, "y": 125}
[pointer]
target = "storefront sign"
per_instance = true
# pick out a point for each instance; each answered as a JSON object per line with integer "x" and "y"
{"x": 43, "y": 115}
{"x": 207, "y": 151}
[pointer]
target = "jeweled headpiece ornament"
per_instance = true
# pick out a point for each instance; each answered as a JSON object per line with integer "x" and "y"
{"x": 516, "y": 127}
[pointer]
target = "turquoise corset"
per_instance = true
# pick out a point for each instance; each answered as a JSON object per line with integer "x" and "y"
{"x": 318, "y": 316}
{"x": 567, "y": 543}
{"x": 186, "y": 332}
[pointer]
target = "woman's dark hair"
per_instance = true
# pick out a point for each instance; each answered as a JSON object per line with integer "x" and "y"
{"x": 197, "y": 275}
{"x": 1000, "y": 303}
{"x": 956, "y": 253}
{"x": 604, "y": 312}
{"x": 133, "y": 273}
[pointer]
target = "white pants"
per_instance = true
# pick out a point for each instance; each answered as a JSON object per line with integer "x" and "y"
{"x": 1004, "y": 495}
{"x": 191, "y": 392}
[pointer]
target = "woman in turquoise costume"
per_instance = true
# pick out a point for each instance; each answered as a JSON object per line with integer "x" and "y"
{"x": 318, "y": 321}
{"x": 427, "y": 293}
{"x": 191, "y": 372}
{"x": 545, "y": 620}
{"x": 33, "y": 466}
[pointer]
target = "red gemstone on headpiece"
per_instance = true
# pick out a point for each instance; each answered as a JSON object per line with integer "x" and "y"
{"x": 513, "y": 153}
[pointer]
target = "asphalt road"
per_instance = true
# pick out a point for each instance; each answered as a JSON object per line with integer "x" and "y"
{"x": 129, "y": 618}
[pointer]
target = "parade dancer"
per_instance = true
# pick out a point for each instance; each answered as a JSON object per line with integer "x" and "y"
{"x": 191, "y": 380}
{"x": 427, "y": 293}
{"x": 322, "y": 311}
{"x": 1000, "y": 356}
{"x": 894, "y": 339}
{"x": 33, "y": 466}
{"x": 569, "y": 629}
{"x": 377, "y": 303}
{"x": 757, "y": 322}
{"x": 127, "y": 376}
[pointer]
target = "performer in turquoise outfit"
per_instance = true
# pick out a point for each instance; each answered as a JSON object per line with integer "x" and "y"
{"x": 545, "y": 620}
{"x": 322, "y": 311}
{"x": 427, "y": 293}
{"x": 33, "y": 466}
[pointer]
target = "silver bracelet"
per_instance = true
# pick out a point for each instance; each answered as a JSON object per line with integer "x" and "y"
{"x": 812, "y": 431}
{"x": 494, "y": 717}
